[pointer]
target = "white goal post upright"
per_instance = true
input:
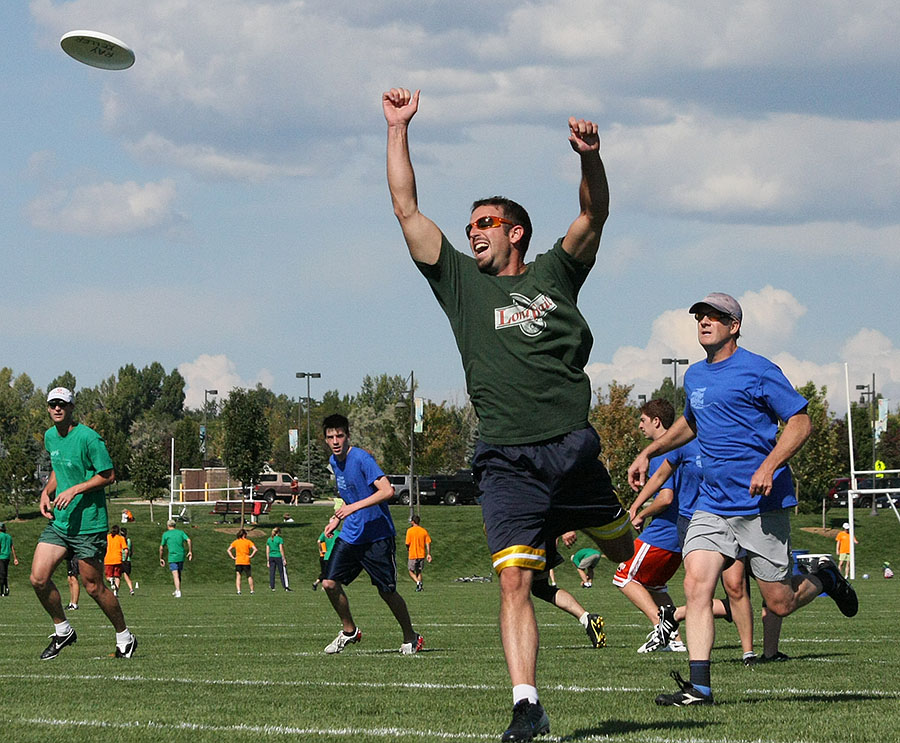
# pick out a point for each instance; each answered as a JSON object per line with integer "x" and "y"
{"x": 851, "y": 493}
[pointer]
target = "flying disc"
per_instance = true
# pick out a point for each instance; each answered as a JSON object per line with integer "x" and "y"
{"x": 97, "y": 50}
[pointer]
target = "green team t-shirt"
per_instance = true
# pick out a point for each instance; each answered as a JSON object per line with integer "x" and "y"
{"x": 329, "y": 543}
{"x": 174, "y": 540}
{"x": 76, "y": 458}
{"x": 274, "y": 544}
{"x": 5, "y": 546}
{"x": 523, "y": 343}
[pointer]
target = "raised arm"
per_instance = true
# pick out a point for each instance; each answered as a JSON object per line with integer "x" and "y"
{"x": 583, "y": 238}
{"x": 423, "y": 238}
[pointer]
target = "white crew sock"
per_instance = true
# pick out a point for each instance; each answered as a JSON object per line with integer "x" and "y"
{"x": 524, "y": 691}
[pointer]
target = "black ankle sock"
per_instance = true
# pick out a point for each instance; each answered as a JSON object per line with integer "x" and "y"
{"x": 700, "y": 673}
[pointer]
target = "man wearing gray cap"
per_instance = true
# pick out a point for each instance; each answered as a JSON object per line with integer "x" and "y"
{"x": 734, "y": 401}
{"x": 73, "y": 500}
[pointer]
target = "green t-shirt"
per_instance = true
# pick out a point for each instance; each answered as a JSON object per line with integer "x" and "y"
{"x": 5, "y": 546}
{"x": 76, "y": 458}
{"x": 523, "y": 343}
{"x": 174, "y": 540}
{"x": 584, "y": 553}
{"x": 274, "y": 544}
{"x": 329, "y": 543}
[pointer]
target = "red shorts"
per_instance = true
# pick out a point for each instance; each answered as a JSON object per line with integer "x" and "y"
{"x": 113, "y": 571}
{"x": 650, "y": 566}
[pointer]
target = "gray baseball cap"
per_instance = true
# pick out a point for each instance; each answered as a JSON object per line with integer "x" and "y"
{"x": 724, "y": 303}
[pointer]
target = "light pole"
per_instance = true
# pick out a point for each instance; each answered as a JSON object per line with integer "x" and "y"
{"x": 307, "y": 376}
{"x": 413, "y": 485}
{"x": 205, "y": 408}
{"x": 675, "y": 363}
{"x": 868, "y": 391}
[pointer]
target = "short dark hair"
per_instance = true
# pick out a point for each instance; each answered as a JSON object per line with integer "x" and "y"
{"x": 336, "y": 421}
{"x": 241, "y": 533}
{"x": 114, "y": 530}
{"x": 415, "y": 518}
{"x": 513, "y": 211}
{"x": 661, "y": 409}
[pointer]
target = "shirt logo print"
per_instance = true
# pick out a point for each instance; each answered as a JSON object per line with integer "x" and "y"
{"x": 697, "y": 398}
{"x": 529, "y": 315}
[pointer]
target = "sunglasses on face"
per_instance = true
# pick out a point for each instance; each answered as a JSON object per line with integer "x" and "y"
{"x": 485, "y": 223}
{"x": 715, "y": 316}
{"x": 56, "y": 404}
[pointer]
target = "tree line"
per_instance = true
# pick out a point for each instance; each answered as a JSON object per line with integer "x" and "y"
{"x": 140, "y": 411}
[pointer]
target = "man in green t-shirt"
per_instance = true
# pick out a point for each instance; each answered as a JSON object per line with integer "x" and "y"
{"x": 78, "y": 522}
{"x": 7, "y": 551}
{"x": 175, "y": 541}
{"x": 524, "y": 345}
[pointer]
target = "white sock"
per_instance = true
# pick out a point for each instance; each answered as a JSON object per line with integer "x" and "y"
{"x": 524, "y": 691}
{"x": 123, "y": 638}
{"x": 584, "y": 620}
{"x": 63, "y": 628}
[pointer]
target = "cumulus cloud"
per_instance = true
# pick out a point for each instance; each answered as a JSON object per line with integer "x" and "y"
{"x": 215, "y": 372}
{"x": 105, "y": 209}
{"x": 770, "y": 317}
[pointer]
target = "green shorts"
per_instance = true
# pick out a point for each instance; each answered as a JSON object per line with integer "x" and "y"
{"x": 82, "y": 546}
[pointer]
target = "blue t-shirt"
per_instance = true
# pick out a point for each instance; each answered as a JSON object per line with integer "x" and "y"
{"x": 355, "y": 477}
{"x": 735, "y": 406}
{"x": 663, "y": 529}
{"x": 688, "y": 472}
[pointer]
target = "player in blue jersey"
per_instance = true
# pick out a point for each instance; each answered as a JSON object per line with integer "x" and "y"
{"x": 367, "y": 535}
{"x": 735, "y": 400}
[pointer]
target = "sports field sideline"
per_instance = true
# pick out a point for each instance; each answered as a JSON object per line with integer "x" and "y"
{"x": 215, "y": 665}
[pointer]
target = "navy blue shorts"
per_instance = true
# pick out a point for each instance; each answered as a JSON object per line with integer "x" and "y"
{"x": 532, "y": 493}
{"x": 377, "y": 558}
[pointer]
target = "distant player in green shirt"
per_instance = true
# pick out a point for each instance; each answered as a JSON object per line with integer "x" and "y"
{"x": 78, "y": 522}
{"x": 174, "y": 540}
{"x": 7, "y": 551}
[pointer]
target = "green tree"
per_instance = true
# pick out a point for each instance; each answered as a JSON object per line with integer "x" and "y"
{"x": 664, "y": 392}
{"x": 18, "y": 485}
{"x": 818, "y": 462}
{"x": 149, "y": 460}
{"x": 616, "y": 422}
{"x": 247, "y": 441}
{"x": 187, "y": 444}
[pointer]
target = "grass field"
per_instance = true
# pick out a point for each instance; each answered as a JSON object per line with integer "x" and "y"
{"x": 215, "y": 666}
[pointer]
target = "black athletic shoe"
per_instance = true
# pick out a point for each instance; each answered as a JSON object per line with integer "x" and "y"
{"x": 57, "y": 643}
{"x": 685, "y": 696}
{"x": 841, "y": 592}
{"x": 529, "y": 719}
{"x": 779, "y": 657}
{"x": 667, "y": 626}
{"x": 750, "y": 660}
{"x": 129, "y": 648}
{"x": 595, "y": 631}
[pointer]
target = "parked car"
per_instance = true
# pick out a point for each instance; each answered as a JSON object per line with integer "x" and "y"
{"x": 838, "y": 494}
{"x": 401, "y": 488}
{"x": 282, "y": 486}
{"x": 452, "y": 490}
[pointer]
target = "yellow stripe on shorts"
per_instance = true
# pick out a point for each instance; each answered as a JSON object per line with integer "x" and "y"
{"x": 520, "y": 556}
{"x": 612, "y": 530}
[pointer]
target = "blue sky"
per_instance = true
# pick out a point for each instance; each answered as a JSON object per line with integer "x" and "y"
{"x": 221, "y": 206}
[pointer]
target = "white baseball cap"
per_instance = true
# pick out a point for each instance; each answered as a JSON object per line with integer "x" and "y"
{"x": 60, "y": 393}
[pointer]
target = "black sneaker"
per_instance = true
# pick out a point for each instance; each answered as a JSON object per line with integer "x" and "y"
{"x": 595, "y": 631}
{"x": 667, "y": 626}
{"x": 57, "y": 643}
{"x": 841, "y": 591}
{"x": 685, "y": 696}
{"x": 529, "y": 719}
{"x": 779, "y": 657}
{"x": 751, "y": 660}
{"x": 129, "y": 648}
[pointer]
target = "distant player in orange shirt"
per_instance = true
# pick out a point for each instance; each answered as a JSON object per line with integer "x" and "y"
{"x": 419, "y": 543}
{"x": 241, "y": 550}
{"x": 843, "y": 549}
{"x": 112, "y": 562}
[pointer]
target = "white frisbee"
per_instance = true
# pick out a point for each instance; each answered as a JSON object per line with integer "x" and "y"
{"x": 97, "y": 50}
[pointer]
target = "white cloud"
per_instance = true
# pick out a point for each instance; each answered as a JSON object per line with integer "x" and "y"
{"x": 215, "y": 372}
{"x": 105, "y": 209}
{"x": 770, "y": 316}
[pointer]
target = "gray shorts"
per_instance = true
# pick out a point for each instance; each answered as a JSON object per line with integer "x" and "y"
{"x": 416, "y": 565}
{"x": 766, "y": 537}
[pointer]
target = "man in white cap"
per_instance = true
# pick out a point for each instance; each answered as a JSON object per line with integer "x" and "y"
{"x": 734, "y": 401}
{"x": 843, "y": 549}
{"x": 73, "y": 500}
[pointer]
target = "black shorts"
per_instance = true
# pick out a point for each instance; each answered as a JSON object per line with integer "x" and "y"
{"x": 532, "y": 493}
{"x": 72, "y": 569}
{"x": 243, "y": 570}
{"x": 377, "y": 558}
